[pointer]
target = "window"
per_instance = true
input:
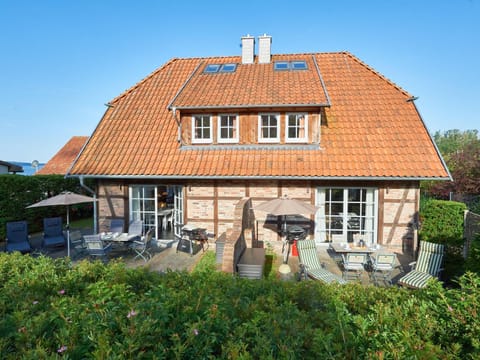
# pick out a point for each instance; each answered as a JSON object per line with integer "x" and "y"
{"x": 268, "y": 128}
{"x": 346, "y": 215}
{"x": 299, "y": 65}
{"x": 201, "y": 129}
{"x": 227, "y": 128}
{"x": 281, "y": 65}
{"x": 296, "y": 128}
{"x": 211, "y": 68}
{"x": 228, "y": 68}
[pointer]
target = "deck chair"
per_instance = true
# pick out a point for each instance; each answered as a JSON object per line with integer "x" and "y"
{"x": 353, "y": 265}
{"x": 17, "y": 237}
{"x": 427, "y": 266}
{"x": 116, "y": 226}
{"x": 53, "y": 233}
{"x": 141, "y": 247}
{"x": 310, "y": 265}
{"x": 77, "y": 244}
{"x": 135, "y": 230}
{"x": 95, "y": 246}
{"x": 382, "y": 267}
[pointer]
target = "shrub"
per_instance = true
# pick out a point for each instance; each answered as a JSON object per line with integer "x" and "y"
{"x": 92, "y": 310}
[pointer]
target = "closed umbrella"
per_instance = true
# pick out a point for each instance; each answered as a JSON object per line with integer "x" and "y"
{"x": 66, "y": 198}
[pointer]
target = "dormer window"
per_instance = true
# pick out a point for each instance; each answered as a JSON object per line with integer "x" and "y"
{"x": 269, "y": 128}
{"x": 228, "y": 128}
{"x": 201, "y": 129}
{"x": 296, "y": 128}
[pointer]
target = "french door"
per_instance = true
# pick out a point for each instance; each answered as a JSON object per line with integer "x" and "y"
{"x": 346, "y": 215}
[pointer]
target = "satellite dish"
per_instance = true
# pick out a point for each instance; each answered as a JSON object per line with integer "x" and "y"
{"x": 35, "y": 164}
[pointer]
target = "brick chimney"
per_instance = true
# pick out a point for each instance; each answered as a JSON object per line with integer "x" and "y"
{"x": 248, "y": 49}
{"x": 264, "y": 45}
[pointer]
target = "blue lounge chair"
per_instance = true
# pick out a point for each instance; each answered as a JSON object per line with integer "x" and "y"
{"x": 17, "y": 237}
{"x": 53, "y": 233}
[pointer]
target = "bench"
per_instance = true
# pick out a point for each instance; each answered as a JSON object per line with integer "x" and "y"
{"x": 251, "y": 263}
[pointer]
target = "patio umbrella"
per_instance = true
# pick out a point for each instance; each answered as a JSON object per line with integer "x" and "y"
{"x": 286, "y": 206}
{"x": 66, "y": 198}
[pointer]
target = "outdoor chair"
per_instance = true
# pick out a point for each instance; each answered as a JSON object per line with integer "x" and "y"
{"x": 354, "y": 265}
{"x": 141, "y": 247}
{"x": 53, "y": 233}
{"x": 135, "y": 230}
{"x": 96, "y": 247}
{"x": 310, "y": 265}
{"x": 427, "y": 266}
{"x": 116, "y": 226}
{"x": 17, "y": 237}
{"x": 382, "y": 267}
{"x": 77, "y": 244}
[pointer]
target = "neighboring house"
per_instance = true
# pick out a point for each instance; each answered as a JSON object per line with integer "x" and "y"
{"x": 63, "y": 159}
{"x": 200, "y": 134}
{"x": 8, "y": 168}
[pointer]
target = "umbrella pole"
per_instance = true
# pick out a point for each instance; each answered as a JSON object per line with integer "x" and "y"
{"x": 68, "y": 232}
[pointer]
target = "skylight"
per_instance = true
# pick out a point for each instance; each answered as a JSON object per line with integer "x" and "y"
{"x": 290, "y": 65}
{"x": 228, "y": 68}
{"x": 211, "y": 68}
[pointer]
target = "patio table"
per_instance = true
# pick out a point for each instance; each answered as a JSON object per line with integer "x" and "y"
{"x": 343, "y": 248}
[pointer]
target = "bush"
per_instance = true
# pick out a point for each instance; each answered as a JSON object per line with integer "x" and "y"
{"x": 17, "y": 192}
{"x": 442, "y": 222}
{"x": 49, "y": 308}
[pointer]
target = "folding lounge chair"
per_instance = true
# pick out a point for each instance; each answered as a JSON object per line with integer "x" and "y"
{"x": 135, "y": 230}
{"x": 96, "y": 247}
{"x": 53, "y": 233}
{"x": 17, "y": 237}
{"x": 354, "y": 265}
{"x": 427, "y": 266}
{"x": 140, "y": 247}
{"x": 310, "y": 265}
{"x": 382, "y": 267}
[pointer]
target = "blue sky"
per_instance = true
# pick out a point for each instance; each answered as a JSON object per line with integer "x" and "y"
{"x": 61, "y": 60}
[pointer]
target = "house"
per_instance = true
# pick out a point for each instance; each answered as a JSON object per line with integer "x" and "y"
{"x": 200, "y": 135}
{"x": 63, "y": 159}
{"x": 8, "y": 168}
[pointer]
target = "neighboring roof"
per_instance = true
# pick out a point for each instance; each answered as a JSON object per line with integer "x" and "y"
{"x": 12, "y": 168}
{"x": 369, "y": 130}
{"x": 63, "y": 159}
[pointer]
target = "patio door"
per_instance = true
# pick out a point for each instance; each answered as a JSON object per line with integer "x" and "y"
{"x": 178, "y": 209}
{"x": 346, "y": 215}
{"x": 143, "y": 205}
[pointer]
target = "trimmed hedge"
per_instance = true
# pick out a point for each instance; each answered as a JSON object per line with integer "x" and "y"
{"x": 49, "y": 308}
{"x": 17, "y": 192}
{"x": 443, "y": 222}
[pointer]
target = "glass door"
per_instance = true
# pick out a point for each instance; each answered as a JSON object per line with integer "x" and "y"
{"x": 346, "y": 215}
{"x": 178, "y": 209}
{"x": 143, "y": 205}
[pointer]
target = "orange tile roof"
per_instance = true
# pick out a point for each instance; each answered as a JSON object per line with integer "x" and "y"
{"x": 369, "y": 131}
{"x": 63, "y": 159}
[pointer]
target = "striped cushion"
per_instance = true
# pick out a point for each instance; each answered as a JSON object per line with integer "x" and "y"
{"x": 415, "y": 279}
{"x": 307, "y": 253}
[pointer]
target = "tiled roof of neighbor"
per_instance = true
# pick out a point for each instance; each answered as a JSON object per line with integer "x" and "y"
{"x": 370, "y": 129}
{"x": 63, "y": 159}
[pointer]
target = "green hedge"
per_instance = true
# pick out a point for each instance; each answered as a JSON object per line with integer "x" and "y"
{"x": 17, "y": 192}
{"x": 49, "y": 308}
{"x": 443, "y": 222}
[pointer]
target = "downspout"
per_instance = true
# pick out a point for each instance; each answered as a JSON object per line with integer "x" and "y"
{"x": 95, "y": 223}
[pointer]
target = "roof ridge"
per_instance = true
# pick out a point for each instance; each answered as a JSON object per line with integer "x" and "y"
{"x": 380, "y": 75}
{"x": 149, "y": 76}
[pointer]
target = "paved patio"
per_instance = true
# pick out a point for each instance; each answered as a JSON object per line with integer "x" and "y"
{"x": 165, "y": 257}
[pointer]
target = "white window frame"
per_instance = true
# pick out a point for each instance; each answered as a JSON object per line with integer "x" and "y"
{"x": 196, "y": 140}
{"x": 261, "y": 139}
{"x": 289, "y": 139}
{"x": 370, "y": 218}
{"x": 235, "y": 128}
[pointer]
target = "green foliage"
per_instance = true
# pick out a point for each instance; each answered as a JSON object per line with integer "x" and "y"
{"x": 49, "y": 308}
{"x": 17, "y": 192}
{"x": 473, "y": 260}
{"x": 442, "y": 222}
